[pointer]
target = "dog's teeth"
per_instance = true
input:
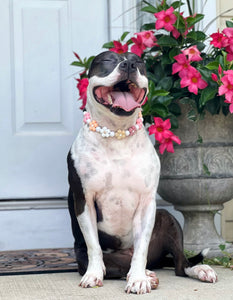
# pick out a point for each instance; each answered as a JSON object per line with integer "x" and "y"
{"x": 133, "y": 84}
{"x": 109, "y": 99}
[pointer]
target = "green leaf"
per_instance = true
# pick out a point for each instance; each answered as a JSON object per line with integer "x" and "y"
{"x": 77, "y": 64}
{"x": 229, "y": 24}
{"x": 174, "y": 122}
{"x": 206, "y": 170}
{"x": 166, "y": 83}
{"x": 150, "y": 9}
{"x": 165, "y": 100}
{"x": 196, "y": 35}
{"x": 200, "y": 46}
{"x": 160, "y": 93}
{"x": 108, "y": 45}
{"x": 176, "y": 4}
{"x": 193, "y": 20}
{"x": 222, "y": 247}
{"x": 124, "y": 35}
{"x": 148, "y": 26}
{"x": 167, "y": 40}
{"x": 160, "y": 110}
{"x": 213, "y": 65}
{"x": 174, "y": 108}
{"x": 173, "y": 52}
{"x": 89, "y": 61}
{"x": 207, "y": 94}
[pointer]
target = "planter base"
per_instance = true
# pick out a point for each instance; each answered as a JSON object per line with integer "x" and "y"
{"x": 199, "y": 229}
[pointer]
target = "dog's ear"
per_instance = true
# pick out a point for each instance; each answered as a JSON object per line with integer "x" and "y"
{"x": 104, "y": 63}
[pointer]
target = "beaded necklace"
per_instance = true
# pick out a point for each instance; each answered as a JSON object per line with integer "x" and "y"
{"x": 107, "y": 133}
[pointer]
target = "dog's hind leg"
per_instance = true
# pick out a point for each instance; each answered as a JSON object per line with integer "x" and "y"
{"x": 118, "y": 264}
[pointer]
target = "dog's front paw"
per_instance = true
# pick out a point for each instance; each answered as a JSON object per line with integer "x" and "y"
{"x": 91, "y": 280}
{"x": 203, "y": 273}
{"x": 141, "y": 284}
{"x": 93, "y": 277}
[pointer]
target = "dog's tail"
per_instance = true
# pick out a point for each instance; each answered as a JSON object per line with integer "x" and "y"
{"x": 194, "y": 260}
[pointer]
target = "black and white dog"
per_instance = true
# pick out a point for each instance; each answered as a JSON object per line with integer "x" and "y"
{"x": 113, "y": 176}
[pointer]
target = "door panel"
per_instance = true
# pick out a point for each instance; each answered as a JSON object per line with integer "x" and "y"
{"x": 38, "y": 109}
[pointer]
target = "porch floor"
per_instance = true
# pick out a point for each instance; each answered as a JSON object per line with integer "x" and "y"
{"x": 59, "y": 286}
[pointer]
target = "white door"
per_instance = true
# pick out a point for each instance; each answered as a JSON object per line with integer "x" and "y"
{"x": 39, "y": 114}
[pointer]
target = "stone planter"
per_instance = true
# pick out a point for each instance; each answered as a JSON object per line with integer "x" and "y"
{"x": 185, "y": 183}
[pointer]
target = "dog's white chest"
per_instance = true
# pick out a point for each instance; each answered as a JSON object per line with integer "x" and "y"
{"x": 118, "y": 177}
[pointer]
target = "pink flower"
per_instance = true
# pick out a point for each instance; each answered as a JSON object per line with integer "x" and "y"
{"x": 160, "y": 129}
{"x": 148, "y": 38}
{"x": 227, "y": 87}
{"x": 138, "y": 46}
{"x": 193, "y": 81}
{"x": 229, "y": 47}
{"x": 167, "y": 143}
{"x": 220, "y": 70}
{"x": 218, "y": 40}
{"x": 187, "y": 29}
{"x": 182, "y": 65}
{"x": 165, "y": 19}
{"x": 231, "y": 105}
{"x": 175, "y": 33}
{"x": 82, "y": 87}
{"x": 214, "y": 77}
{"x": 193, "y": 53}
{"x": 119, "y": 48}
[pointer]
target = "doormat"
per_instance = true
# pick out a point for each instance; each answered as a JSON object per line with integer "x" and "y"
{"x": 37, "y": 261}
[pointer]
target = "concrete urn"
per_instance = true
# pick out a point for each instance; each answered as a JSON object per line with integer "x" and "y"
{"x": 198, "y": 178}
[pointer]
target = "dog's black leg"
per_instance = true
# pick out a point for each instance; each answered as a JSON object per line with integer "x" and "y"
{"x": 80, "y": 247}
{"x": 117, "y": 263}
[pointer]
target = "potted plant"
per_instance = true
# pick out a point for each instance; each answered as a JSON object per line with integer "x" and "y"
{"x": 190, "y": 103}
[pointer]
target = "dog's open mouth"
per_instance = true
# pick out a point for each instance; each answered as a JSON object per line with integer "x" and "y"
{"x": 125, "y": 95}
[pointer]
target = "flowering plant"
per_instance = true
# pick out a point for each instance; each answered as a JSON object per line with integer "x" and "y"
{"x": 179, "y": 68}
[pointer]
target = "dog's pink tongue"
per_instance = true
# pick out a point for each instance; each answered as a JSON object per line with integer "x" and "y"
{"x": 124, "y": 100}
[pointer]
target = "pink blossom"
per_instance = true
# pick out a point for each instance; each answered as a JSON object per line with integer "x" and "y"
{"x": 175, "y": 33}
{"x": 82, "y": 87}
{"x": 193, "y": 81}
{"x": 119, "y": 48}
{"x": 193, "y": 53}
{"x": 218, "y": 40}
{"x": 220, "y": 70}
{"x": 231, "y": 105}
{"x": 148, "y": 38}
{"x": 160, "y": 129}
{"x": 167, "y": 143}
{"x": 229, "y": 47}
{"x": 182, "y": 65}
{"x": 165, "y": 19}
{"x": 214, "y": 77}
{"x": 138, "y": 46}
{"x": 227, "y": 87}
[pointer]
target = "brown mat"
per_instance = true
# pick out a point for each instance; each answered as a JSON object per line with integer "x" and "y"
{"x": 37, "y": 261}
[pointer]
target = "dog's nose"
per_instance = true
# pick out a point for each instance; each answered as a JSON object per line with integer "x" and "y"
{"x": 128, "y": 66}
